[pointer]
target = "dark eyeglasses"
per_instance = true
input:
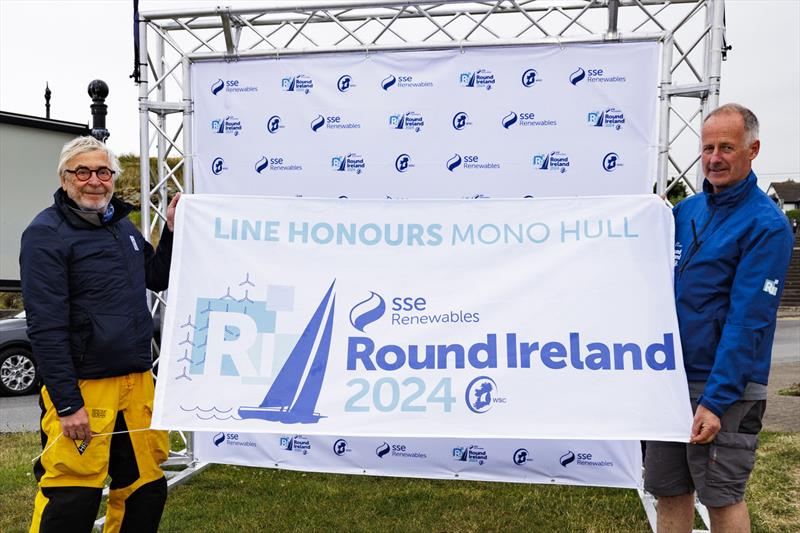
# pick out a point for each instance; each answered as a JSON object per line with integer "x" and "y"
{"x": 84, "y": 173}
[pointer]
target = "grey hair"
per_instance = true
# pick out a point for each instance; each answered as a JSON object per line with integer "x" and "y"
{"x": 81, "y": 145}
{"x": 749, "y": 118}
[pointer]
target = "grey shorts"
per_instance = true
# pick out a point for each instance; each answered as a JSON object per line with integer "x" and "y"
{"x": 717, "y": 471}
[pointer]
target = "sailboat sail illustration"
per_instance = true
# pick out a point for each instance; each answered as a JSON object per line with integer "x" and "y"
{"x": 282, "y": 402}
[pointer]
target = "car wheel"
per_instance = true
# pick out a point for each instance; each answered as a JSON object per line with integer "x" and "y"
{"x": 18, "y": 374}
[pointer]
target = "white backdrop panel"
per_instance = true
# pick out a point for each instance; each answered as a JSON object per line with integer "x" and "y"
{"x": 495, "y": 122}
{"x": 537, "y": 318}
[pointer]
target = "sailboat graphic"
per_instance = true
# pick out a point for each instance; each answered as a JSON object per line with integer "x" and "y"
{"x": 282, "y": 402}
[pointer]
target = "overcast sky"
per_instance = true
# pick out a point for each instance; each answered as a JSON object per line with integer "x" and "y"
{"x": 70, "y": 43}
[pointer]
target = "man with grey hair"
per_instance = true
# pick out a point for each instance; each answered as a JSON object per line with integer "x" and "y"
{"x": 84, "y": 269}
{"x": 732, "y": 251}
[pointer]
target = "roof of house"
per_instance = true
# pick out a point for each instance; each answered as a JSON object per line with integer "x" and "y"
{"x": 788, "y": 191}
{"x": 41, "y": 123}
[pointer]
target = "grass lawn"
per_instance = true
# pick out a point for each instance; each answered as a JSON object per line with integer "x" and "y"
{"x": 229, "y": 498}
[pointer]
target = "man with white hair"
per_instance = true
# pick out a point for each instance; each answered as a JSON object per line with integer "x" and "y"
{"x": 84, "y": 269}
{"x": 732, "y": 250}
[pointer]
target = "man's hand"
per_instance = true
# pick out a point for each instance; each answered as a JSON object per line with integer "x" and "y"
{"x": 171, "y": 211}
{"x": 76, "y": 426}
{"x": 705, "y": 426}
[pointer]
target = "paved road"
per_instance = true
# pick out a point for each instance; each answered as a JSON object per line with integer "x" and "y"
{"x": 783, "y": 413}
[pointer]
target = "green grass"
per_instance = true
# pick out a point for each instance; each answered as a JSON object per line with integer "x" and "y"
{"x": 233, "y": 498}
{"x": 793, "y": 390}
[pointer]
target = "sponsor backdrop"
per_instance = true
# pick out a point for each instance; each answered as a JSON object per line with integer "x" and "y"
{"x": 498, "y": 122}
{"x": 583, "y": 462}
{"x": 345, "y": 318}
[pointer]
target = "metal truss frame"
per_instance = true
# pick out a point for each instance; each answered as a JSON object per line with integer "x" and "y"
{"x": 692, "y": 33}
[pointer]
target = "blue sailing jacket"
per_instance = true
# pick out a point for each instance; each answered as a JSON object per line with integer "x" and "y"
{"x": 732, "y": 251}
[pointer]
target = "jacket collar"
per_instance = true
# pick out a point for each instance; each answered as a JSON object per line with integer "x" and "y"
{"x": 732, "y": 195}
{"x": 87, "y": 219}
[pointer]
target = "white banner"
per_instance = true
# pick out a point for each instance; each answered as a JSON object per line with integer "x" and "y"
{"x": 479, "y": 122}
{"x": 579, "y": 462}
{"x": 529, "y": 319}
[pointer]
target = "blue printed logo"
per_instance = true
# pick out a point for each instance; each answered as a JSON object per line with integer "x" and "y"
{"x": 608, "y": 118}
{"x": 296, "y": 443}
{"x": 340, "y": 447}
{"x": 567, "y": 458}
{"x": 403, "y": 163}
{"x": 594, "y": 75}
{"x": 218, "y": 439}
{"x": 274, "y": 123}
{"x": 454, "y": 162}
{"x": 218, "y": 166}
{"x": 521, "y": 456}
{"x": 482, "y": 394}
{"x": 367, "y": 311}
{"x": 410, "y": 121}
{"x": 470, "y": 454}
{"x": 345, "y": 83}
{"x": 388, "y": 82}
{"x": 382, "y": 450}
{"x": 404, "y": 82}
{"x": 297, "y": 84}
{"x": 461, "y": 121}
{"x": 554, "y": 161}
{"x": 483, "y": 79}
{"x": 509, "y": 120}
{"x": 333, "y": 122}
{"x": 276, "y": 164}
{"x": 611, "y": 162}
{"x": 578, "y": 76}
{"x": 292, "y": 397}
{"x": 529, "y": 77}
{"x": 348, "y": 163}
{"x": 229, "y": 124}
{"x": 231, "y": 86}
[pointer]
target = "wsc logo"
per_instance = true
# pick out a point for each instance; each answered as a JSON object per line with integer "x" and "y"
{"x": 292, "y": 397}
{"x": 403, "y": 163}
{"x": 454, "y": 162}
{"x": 567, "y": 458}
{"x": 340, "y": 447}
{"x": 297, "y": 84}
{"x": 482, "y": 79}
{"x": 578, "y": 76}
{"x": 481, "y": 394}
{"x": 521, "y": 456}
{"x": 509, "y": 120}
{"x": 367, "y": 311}
{"x": 461, "y": 121}
{"x": 529, "y": 77}
{"x": 218, "y": 166}
{"x": 218, "y": 439}
{"x": 611, "y": 162}
{"x": 345, "y": 83}
{"x": 274, "y": 123}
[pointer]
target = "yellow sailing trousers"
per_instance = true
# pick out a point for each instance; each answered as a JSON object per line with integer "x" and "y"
{"x": 71, "y": 474}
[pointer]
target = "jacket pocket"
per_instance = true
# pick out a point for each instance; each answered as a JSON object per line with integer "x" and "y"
{"x": 731, "y": 458}
{"x": 110, "y": 334}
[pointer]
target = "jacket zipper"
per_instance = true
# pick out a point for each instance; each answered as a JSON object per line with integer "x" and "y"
{"x": 695, "y": 242}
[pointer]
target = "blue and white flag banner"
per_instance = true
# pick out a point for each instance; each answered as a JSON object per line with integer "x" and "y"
{"x": 480, "y": 122}
{"x": 525, "y": 319}
{"x": 576, "y": 462}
